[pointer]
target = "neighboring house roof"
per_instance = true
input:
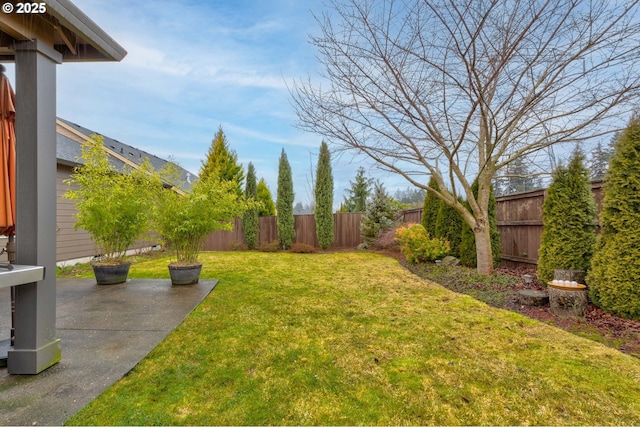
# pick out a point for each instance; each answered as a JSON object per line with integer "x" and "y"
{"x": 70, "y": 136}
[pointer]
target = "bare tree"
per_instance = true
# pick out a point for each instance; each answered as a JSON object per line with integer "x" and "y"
{"x": 457, "y": 89}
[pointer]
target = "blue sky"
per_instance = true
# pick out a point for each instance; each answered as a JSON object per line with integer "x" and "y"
{"x": 193, "y": 66}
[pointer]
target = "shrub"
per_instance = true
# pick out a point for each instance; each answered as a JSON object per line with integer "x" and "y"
{"x": 417, "y": 246}
{"x": 114, "y": 206}
{"x": 270, "y": 247}
{"x": 387, "y": 240}
{"x": 615, "y": 267}
{"x": 430, "y": 209}
{"x": 568, "y": 215}
{"x": 238, "y": 246}
{"x": 449, "y": 227}
{"x": 303, "y": 248}
{"x": 379, "y": 217}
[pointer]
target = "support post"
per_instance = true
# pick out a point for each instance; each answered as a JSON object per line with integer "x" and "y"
{"x": 35, "y": 348}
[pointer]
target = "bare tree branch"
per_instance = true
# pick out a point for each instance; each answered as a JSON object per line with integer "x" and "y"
{"x": 458, "y": 89}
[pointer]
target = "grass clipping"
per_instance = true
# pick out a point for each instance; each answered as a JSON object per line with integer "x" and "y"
{"x": 353, "y": 338}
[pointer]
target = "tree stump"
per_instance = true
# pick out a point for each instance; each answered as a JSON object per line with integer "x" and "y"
{"x": 568, "y": 302}
{"x": 570, "y": 275}
{"x": 533, "y": 297}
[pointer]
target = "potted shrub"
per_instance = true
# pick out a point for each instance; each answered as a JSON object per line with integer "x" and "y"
{"x": 184, "y": 221}
{"x": 113, "y": 206}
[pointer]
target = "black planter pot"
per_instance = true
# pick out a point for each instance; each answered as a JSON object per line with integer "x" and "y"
{"x": 111, "y": 274}
{"x": 185, "y": 274}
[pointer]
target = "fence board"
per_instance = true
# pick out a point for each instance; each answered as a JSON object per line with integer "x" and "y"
{"x": 346, "y": 232}
{"x": 519, "y": 218}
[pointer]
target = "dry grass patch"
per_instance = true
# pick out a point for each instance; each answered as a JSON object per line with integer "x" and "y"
{"x": 353, "y": 338}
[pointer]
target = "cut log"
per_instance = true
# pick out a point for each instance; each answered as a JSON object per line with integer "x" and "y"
{"x": 533, "y": 297}
{"x": 568, "y": 302}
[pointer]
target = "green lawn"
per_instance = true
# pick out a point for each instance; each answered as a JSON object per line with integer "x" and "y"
{"x": 354, "y": 338}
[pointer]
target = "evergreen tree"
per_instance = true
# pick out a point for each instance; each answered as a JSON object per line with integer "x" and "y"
{"x": 449, "y": 227}
{"x": 358, "y": 193}
{"x": 250, "y": 217}
{"x": 284, "y": 203}
{"x": 324, "y": 198}
{"x": 410, "y": 197}
{"x": 517, "y": 178}
{"x": 379, "y": 216}
{"x": 568, "y": 216}
{"x": 468, "y": 254}
{"x": 222, "y": 162}
{"x": 613, "y": 280}
{"x": 263, "y": 195}
{"x": 430, "y": 210}
{"x": 599, "y": 159}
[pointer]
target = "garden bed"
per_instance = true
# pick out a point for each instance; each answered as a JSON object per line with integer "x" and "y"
{"x": 501, "y": 290}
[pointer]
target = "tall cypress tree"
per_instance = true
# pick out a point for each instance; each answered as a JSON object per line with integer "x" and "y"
{"x": 568, "y": 216}
{"x": 284, "y": 203}
{"x": 250, "y": 217}
{"x": 324, "y": 198}
{"x": 430, "y": 210}
{"x": 222, "y": 162}
{"x": 267, "y": 207}
{"x": 615, "y": 269}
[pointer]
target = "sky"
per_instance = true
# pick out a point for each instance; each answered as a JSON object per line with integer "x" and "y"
{"x": 193, "y": 66}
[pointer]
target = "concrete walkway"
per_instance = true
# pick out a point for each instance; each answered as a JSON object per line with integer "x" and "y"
{"x": 105, "y": 332}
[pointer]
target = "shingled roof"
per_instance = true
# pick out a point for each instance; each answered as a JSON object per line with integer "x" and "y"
{"x": 70, "y": 136}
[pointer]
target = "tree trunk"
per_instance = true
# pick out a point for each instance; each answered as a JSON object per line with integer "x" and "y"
{"x": 483, "y": 249}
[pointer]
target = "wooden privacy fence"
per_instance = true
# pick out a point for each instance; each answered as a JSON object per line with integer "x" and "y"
{"x": 519, "y": 219}
{"x": 520, "y": 222}
{"x": 346, "y": 232}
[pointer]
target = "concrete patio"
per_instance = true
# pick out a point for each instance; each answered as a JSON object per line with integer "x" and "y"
{"x": 105, "y": 332}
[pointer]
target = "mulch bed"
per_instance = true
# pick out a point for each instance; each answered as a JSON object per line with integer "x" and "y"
{"x": 614, "y": 331}
{"x": 621, "y": 333}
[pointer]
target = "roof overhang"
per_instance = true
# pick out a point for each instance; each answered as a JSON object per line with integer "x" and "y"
{"x": 62, "y": 26}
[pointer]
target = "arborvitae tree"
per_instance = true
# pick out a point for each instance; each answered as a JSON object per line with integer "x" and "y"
{"x": 449, "y": 227}
{"x": 250, "y": 217}
{"x": 267, "y": 207}
{"x": 324, "y": 198}
{"x": 430, "y": 210}
{"x": 222, "y": 162}
{"x": 358, "y": 193}
{"x": 568, "y": 216}
{"x": 468, "y": 255}
{"x": 613, "y": 280}
{"x": 284, "y": 204}
{"x": 379, "y": 217}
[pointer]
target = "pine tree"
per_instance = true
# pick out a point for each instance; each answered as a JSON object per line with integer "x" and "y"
{"x": 568, "y": 216}
{"x": 613, "y": 280}
{"x": 222, "y": 162}
{"x": 379, "y": 217}
{"x": 358, "y": 193}
{"x": 250, "y": 217}
{"x": 430, "y": 210}
{"x": 263, "y": 195}
{"x": 324, "y": 198}
{"x": 284, "y": 203}
{"x": 599, "y": 159}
